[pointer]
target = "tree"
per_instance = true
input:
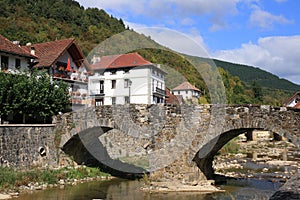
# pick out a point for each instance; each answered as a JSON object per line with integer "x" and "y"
{"x": 31, "y": 98}
{"x": 257, "y": 91}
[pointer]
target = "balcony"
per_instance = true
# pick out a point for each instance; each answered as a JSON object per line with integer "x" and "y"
{"x": 97, "y": 93}
{"x": 159, "y": 91}
{"x": 71, "y": 76}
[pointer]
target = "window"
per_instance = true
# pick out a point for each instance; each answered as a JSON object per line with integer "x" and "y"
{"x": 178, "y": 92}
{"x": 127, "y": 83}
{"x": 113, "y": 84}
{"x": 4, "y": 62}
{"x": 186, "y": 92}
{"x": 101, "y": 87}
{"x": 113, "y": 100}
{"x": 18, "y": 63}
{"x": 126, "y": 100}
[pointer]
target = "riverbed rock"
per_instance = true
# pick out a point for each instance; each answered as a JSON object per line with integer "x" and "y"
{"x": 290, "y": 190}
{"x": 5, "y": 196}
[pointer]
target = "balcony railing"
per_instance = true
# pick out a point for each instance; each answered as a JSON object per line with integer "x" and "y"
{"x": 160, "y": 91}
{"x": 97, "y": 92}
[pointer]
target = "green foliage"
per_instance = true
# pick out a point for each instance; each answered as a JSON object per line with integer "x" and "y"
{"x": 34, "y": 97}
{"x": 232, "y": 147}
{"x": 11, "y": 178}
{"x": 249, "y": 74}
{"x": 47, "y": 20}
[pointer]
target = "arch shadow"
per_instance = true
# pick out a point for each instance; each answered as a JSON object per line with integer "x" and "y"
{"x": 86, "y": 148}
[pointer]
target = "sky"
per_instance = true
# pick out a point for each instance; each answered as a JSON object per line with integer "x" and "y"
{"x": 260, "y": 33}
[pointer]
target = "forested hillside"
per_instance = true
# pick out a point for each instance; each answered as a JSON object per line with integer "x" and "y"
{"x": 47, "y": 20}
{"x": 249, "y": 74}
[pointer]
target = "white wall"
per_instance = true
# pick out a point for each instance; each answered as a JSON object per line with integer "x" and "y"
{"x": 187, "y": 94}
{"x": 141, "y": 90}
{"x": 12, "y": 61}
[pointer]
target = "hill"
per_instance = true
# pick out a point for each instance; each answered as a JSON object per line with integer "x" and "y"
{"x": 250, "y": 74}
{"x": 47, "y": 20}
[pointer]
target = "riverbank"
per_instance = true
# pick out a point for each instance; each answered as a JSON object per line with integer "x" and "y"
{"x": 263, "y": 159}
{"x": 14, "y": 182}
{"x": 176, "y": 186}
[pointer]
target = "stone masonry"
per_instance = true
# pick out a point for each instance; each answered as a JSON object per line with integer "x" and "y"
{"x": 167, "y": 141}
{"x": 173, "y": 141}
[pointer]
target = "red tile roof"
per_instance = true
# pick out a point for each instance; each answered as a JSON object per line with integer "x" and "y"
{"x": 186, "y": 86}
{"x": 171, "y": 98}
{"x": 9, "y": 47}
{"x": 297, "y": 105}
{"x": 49, "y": 52}
{"x": 291, "y": 98}
{"x": 120, "y": 61}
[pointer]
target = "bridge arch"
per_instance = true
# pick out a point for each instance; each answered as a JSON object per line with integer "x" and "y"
{"x": 280, "y": 122}
{"x": 86, "y": 148}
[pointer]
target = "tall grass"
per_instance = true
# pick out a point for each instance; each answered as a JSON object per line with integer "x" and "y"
{"x": 11, "y": 178}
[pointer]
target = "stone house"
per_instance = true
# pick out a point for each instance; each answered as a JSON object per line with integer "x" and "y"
{"x": 126, "y": 78}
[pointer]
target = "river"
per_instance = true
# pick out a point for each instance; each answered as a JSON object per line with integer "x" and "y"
{"x": 117, "y": 189}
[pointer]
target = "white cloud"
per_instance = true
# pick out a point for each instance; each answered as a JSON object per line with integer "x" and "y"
{"x": 214, "y": 10}
{"x": 191, "y": 44}
{"x": 266, "y": 20}
{"x": 278, "y": 55}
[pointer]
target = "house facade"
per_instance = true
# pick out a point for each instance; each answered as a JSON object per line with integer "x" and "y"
{"x": 187, "y": 91}
{"x": 126, "y": 78}
{"x": 64, "y": 60}
{"x": 293, "y": 101}
{"x": 13, "y": 57}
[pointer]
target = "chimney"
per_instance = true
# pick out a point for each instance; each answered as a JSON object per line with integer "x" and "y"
{"x": 32, "y": 50}
{"x": 96, "y": 59}
{"x": 16, "y": 43}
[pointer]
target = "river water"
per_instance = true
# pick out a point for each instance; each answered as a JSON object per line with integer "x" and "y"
{"x": 117, "y": 189}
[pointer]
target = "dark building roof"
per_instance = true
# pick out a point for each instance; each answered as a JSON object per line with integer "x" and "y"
{"x": 49, "y": 52}
{"x": 9, "y": 47}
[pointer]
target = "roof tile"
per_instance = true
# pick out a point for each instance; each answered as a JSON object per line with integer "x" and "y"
{"x": 11, "y": 48}
{"x": 186, "y": 86}
{"x": 120, "y": 61}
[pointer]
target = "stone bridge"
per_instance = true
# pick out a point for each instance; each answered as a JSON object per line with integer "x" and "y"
{"x": 167, "y": 141}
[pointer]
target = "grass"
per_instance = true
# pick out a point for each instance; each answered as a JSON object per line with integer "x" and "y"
{"x": 11, "y": 178}
{"x": 232, "y": 147}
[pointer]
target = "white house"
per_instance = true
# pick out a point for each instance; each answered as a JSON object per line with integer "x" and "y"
{"x": 126, "y": 78}
{"x": 13, "y": 57}
{"x": 187, "y": 91}
{"x": 293, "y": 101}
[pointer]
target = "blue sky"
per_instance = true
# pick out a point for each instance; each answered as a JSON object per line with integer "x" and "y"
{"x": 261, "y": 33}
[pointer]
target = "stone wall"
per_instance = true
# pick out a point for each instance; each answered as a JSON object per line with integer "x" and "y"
{"x": 170, "y": 141}
{"x": 23, "y": 146}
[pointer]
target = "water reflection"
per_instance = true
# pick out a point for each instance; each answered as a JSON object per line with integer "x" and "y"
{"x": 123, "y": 189}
